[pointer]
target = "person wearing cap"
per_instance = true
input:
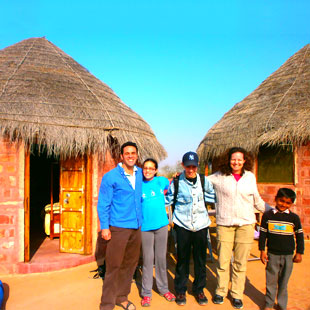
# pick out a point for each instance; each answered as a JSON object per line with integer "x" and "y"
{"x": 191, "y": 222}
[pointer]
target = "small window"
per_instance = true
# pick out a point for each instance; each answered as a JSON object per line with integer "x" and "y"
{"x": 275, "y": 165}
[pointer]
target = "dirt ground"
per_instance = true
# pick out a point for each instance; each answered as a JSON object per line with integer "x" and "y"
{"x": 75, "y": 289}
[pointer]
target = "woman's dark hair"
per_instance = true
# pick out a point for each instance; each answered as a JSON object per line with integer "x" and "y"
{"x": 153, "y": 161}
{"x": 287, "y": 193}
{"x": 224, "y": 165}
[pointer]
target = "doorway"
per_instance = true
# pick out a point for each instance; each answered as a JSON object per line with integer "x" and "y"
{"x": 44, "y": 189}
{"x": 69, "y": 182}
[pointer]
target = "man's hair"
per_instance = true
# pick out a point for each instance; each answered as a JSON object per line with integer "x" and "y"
{"x": 287, "y": 193}
{"x": 129, "y": 143}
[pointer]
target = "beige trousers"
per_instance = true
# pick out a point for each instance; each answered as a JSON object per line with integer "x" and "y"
{"x": 236, "y": 241}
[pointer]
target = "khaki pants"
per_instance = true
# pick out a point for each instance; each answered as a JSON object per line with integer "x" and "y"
{"x": 236, "y": 241}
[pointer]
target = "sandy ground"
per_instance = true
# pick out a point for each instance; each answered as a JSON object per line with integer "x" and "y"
{"x": 74, "y": 288}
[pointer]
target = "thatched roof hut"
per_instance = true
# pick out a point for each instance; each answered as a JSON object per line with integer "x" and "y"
{"x": 277, "y": 112}
{"x": 47, "y": 98}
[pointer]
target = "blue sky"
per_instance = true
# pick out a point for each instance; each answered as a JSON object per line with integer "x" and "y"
{"x": 179, "y": 64}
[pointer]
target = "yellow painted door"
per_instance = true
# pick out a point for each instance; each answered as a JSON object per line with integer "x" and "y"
{"x": 73, "y": 205}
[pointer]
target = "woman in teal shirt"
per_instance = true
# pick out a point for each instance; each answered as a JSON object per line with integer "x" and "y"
{"x": 154, "y": 232}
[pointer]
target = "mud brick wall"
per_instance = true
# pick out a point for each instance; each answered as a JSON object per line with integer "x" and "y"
{"x": 301, "y": 187}
{"x": 11, "y": 203}
{"x": 100, "y": 167}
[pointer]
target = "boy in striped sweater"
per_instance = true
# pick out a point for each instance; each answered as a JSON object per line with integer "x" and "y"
{"x": 280, "y": 227}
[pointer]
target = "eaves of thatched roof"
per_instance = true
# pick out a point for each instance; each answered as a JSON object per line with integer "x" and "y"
{"x": 48, "y": 98}
{"x": 277, "y": 112}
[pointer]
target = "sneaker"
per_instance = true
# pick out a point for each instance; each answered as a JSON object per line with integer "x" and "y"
{"x": 146, "y": 301}
{"x": 201, "y": 299}
{"x": 237, "y": 303}
{"x": 180, "y": 299}
{"x": 169, "y": 296}
{"x": 218, "y": 299}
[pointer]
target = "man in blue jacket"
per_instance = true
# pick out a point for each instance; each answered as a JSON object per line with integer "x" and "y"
{"x": 119, "y": 211}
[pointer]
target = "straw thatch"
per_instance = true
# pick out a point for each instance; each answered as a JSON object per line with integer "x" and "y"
{"x": 276, "y": 113}
{"x": 47, "y": 98}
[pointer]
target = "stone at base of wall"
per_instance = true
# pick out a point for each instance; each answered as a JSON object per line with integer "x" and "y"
{"x": 24, "y": 268}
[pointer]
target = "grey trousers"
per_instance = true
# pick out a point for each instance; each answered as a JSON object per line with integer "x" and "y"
{"x": 154, "y": 245}
{"x": 278, "y": 272}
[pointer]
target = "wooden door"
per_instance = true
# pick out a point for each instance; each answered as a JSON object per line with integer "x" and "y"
{"x": 73, "y": 201}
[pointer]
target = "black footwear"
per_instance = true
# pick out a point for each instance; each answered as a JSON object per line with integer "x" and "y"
{"x": 180, "y": 299}
{"x": 237, "y": 303}
{"x": 201, "y": 299}
{"x": 129, "y": 306}
{"x": 218, "y": 299}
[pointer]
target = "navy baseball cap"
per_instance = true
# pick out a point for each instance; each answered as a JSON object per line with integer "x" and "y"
{"x": 190, "y": 159}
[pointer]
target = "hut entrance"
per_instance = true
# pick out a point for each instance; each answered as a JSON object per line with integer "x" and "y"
{"x": 57, "y": 196}
{"x": 43, "y": 211}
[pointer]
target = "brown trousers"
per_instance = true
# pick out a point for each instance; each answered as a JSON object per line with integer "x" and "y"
{"x": 122, "y": 254}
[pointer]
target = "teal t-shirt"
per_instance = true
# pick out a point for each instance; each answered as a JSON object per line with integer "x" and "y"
{"x": 154, "y": 214}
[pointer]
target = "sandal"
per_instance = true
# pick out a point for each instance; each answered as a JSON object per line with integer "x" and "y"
{"x": 129, "y": 303}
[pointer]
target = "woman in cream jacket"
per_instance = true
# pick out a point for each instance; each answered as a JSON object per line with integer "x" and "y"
{"x": 237, "y": 198}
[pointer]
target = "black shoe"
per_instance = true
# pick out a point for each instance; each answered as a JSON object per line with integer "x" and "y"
{"x": 180, "y": 299}
{"x": 201, "y": 299}
{"x": 218, "y": 299}
{"x": 237, "y": 303}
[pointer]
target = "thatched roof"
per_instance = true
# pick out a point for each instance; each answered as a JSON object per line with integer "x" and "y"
{"x": 277, "y": 112}
{"x": 46, "y": 97}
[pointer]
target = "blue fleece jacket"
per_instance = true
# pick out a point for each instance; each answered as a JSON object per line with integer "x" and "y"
{"x": 118, "y": 203}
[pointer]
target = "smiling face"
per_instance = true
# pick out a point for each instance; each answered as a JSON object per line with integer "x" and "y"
{"x": 190, "y": 171}
{"x": 129, "y": 157}
{"x": 149, "y": 170}
{"x": 236, "y": 162}
{"x": 283, "y": 203}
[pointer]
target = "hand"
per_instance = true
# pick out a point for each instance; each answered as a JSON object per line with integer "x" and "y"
{"x": 297, "y": 258}
{"x": 176, "y": 174}
{"x": 106, "y": 234}
{"x": 263, "y": 257}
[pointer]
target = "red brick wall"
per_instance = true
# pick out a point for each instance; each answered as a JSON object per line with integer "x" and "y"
{"x": 11, "y": 202}
{"x": 302, "y": 188}
{"x": 101, "y": 167}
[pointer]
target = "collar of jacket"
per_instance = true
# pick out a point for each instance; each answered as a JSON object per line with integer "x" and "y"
{"x": 183, "y": 177}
